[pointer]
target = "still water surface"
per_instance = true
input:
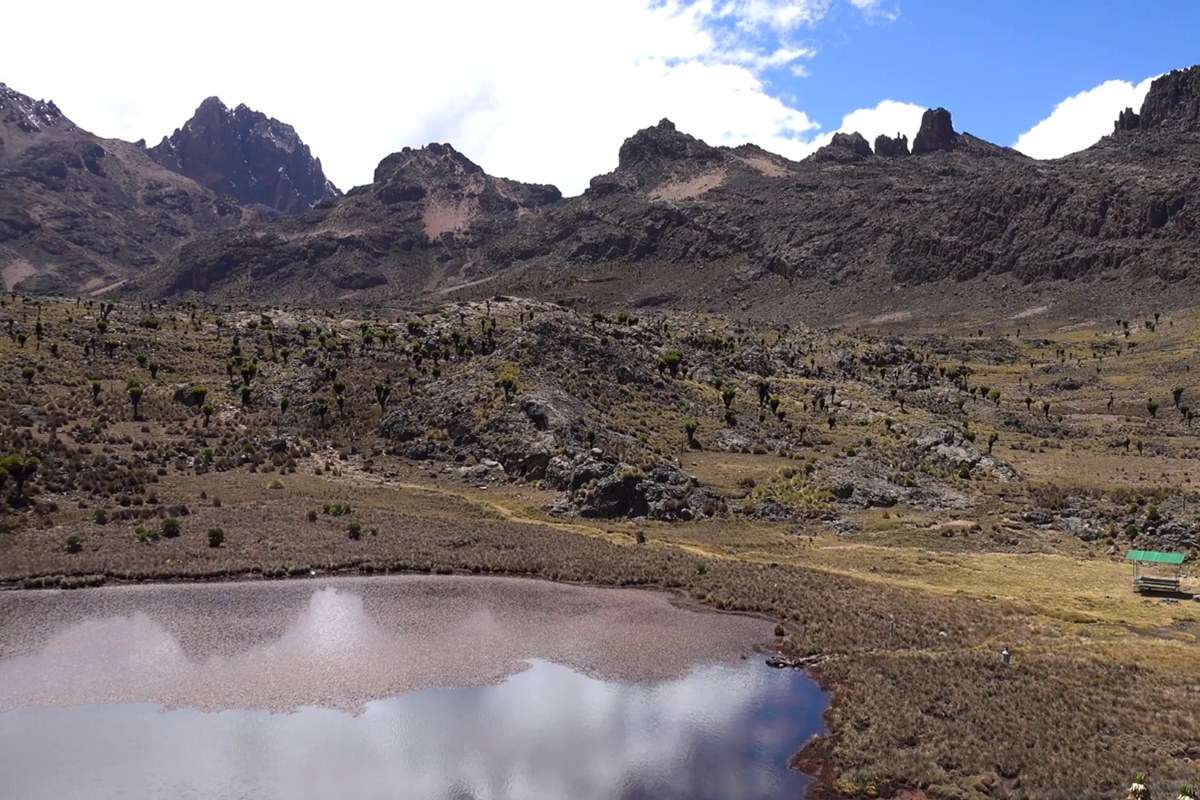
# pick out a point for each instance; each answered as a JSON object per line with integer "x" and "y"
{"x": 445, "y": 688}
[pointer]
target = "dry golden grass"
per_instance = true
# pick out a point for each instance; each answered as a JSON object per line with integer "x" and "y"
{"x": 915, "y": 708}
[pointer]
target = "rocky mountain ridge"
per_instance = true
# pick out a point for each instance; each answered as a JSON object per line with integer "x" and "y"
{"x": 680, "y": 222}
{"x": 421, "y": 222}
{"x": 246, "y": 155}
{"x": 79, "y": 213}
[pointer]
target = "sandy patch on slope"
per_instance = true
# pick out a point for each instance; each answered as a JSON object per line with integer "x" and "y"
{"x": 690, "y": 188}
{"x": 763, "y": 165}
{"x": 441, "y": 217}
{"x": 16, "y": 272}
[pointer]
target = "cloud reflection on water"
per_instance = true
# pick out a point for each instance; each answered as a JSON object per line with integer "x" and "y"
{"x": 87, "y": 720}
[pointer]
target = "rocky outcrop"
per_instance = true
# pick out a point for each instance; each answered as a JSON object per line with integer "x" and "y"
{"x": 246, "y": 155}
{"x": 610, "y": 490}
{"x": 651, "y": 148}
{"x": 23, "y": 120}
{"x": 82, "y": 214}
{"x": 425, "y": 214}
{"x": 653, "y": 156}
{"x": 844, "y": 148}
{"x": 955, "y": 451}
{"x": 706, "y": 228}
{"x": 891, "y": 147}
{"x": 1127, "y": 120}
{"x": 441, "y": 174}
{"x": 936, "y": 133}
{"x": 709, "y": 226}
{"x": 1173, "y": 101}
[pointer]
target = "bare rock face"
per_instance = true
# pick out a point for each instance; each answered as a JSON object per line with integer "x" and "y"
{"x": 705, "y": 227}
{"x": 653, "y": 156}
{"x": 246, "y": 155}
{"x": 649, "y": 147}
{"x": 1127, "y": 120}
{"x": 936, "y": 133}
{"x": 888, "y": 147}
{"x": 701, "y": 227}
{"x": 844, "y": 148}
{"x": 1173, "y": 101}
{"x": 24, "y": 117}
{"x": 81, "y": 213}
{"x": 424, "y": 215}
{"x": 438, "y": 171}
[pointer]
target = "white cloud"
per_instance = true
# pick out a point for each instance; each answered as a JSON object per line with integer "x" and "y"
{"x": 877, "y": 8}
{"x": 1082, "y": 119}
{"x": 889, "y": 117}
{"x": 539, "y": 90}
{"x": 782, "y": 15}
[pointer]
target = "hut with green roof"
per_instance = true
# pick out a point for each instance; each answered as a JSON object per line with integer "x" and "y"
{"x": 1155, "y": 571}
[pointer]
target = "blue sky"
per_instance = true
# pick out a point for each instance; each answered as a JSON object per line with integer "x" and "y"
{"x": 998, "y": 67}
{"x": 546, "y": 90}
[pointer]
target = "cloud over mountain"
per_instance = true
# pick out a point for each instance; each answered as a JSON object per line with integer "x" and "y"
{"x": 538, "y": 90}
{"x": 1080, "y": 120}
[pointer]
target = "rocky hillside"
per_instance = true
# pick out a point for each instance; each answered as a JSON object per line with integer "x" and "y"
{"x": 720, "y": 228}
{"x": 711, "y": 228}
{"x": 853, "y": 233}
{"x": 81, "y": 213}
{"x": 246, "y": 155}
{"x": 421, "y": 222}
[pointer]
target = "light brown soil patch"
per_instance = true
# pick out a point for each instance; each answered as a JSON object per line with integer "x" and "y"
{"x": 690, "y": 188}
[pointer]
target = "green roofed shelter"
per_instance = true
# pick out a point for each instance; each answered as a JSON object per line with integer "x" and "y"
{"x": 1155, "y": 558}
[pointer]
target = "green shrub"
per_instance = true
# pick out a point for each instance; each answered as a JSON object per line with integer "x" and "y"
{"x": 74, "y": 545}
{"x": 170, "y": 527}
{"x": 215, "y": 537}
{"x": 796, "y": 491}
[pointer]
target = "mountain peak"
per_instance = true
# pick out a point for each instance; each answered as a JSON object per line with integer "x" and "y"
{"x": 889, "y": 147}
{"x": 26, "y": 114}
{"x": 936, "y": 132}
{"x": 211, "y": 103}
{"x": 844, "y": 148}
{"x": 651, "y": 146}
{"x": 1173, "y": 101}
{"x": 653, "y": 155}
{"x": 436, "y": 161}
{"x": 246, "y": 155}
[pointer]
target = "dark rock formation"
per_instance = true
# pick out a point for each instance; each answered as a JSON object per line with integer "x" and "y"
{"x": 1173, "y": 101}
{"x": 844, "y": 147}
{"x": 936, "y": 133}
{"x": 648, "y": 149}
{"x": 1127, "y": 120}
{"x": 246, "y": 155}
{"x": 427, "y": 211}
{"x": 678, "y": 223}
{"x": 653, "y": 156}
{"x": 888, "y": 147}
{"x": 22, "y": 115}
{"x": 81, "y": 213}
{"x": 709, "y": 226}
